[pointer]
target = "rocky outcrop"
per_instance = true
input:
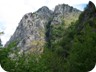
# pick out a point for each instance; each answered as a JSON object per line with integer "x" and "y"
{"x": 30, "y": 34}
{"x": 90, "y": 7}
{"x": 88, "y": 16}
{"x": 89, "y": 12}
{"x": 65, "y": 13}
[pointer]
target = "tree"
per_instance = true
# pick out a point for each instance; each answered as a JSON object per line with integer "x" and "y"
{"x": 82, "y": 55}
{"x": 0, "y": 39}
{"x": 0, "y": 43}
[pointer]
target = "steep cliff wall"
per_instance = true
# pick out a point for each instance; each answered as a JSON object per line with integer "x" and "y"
{"x": 30, "y": 34}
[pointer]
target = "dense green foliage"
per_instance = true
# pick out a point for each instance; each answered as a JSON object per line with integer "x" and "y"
{"x": 46, "y": 62}
{"x": 82, "y": 55}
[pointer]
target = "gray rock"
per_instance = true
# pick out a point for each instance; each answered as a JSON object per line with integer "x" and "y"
{"x": 30, "y": 33}
{"x": 65, "y": 13}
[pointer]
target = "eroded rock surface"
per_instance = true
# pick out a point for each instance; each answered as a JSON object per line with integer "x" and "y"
{"x": 30, "y": 34}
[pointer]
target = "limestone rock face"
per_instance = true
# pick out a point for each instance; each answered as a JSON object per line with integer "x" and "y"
{"x": 30, "y": 34}
{"x": 65, "y": 13}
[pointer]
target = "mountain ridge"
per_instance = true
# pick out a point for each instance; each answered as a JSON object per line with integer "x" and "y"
{"x": 67, "y": 49}
{"x": 31, "y": 31}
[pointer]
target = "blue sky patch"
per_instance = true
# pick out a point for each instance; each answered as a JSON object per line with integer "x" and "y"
{"x": 80, "y": 6}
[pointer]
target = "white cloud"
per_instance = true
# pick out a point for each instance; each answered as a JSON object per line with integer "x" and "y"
{"x": 11, "y": 12}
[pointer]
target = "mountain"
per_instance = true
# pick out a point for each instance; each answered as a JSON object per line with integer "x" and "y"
{"x": 66, "y": 36}
{"x": 66, "y": 13}
{"x": 30, "y": 34}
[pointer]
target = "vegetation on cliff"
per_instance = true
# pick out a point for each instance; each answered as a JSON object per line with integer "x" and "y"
{"x": 71, "y": 49}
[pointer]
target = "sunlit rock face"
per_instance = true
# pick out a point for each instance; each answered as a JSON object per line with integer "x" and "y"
{"x": 30, "y": 34}
{"x": 66, "y": 13}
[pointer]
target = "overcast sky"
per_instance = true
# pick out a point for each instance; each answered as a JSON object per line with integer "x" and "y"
{"x": 11, "y": 12}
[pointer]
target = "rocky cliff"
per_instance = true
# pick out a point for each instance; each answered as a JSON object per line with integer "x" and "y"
{"x": 30, "y": 34}
{"x": 66, "y": 13}
{"x": 88, "y": 16}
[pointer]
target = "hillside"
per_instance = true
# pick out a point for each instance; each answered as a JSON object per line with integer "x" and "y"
{"x": 31, "y": 31}
{"x": 63, "y": 40}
